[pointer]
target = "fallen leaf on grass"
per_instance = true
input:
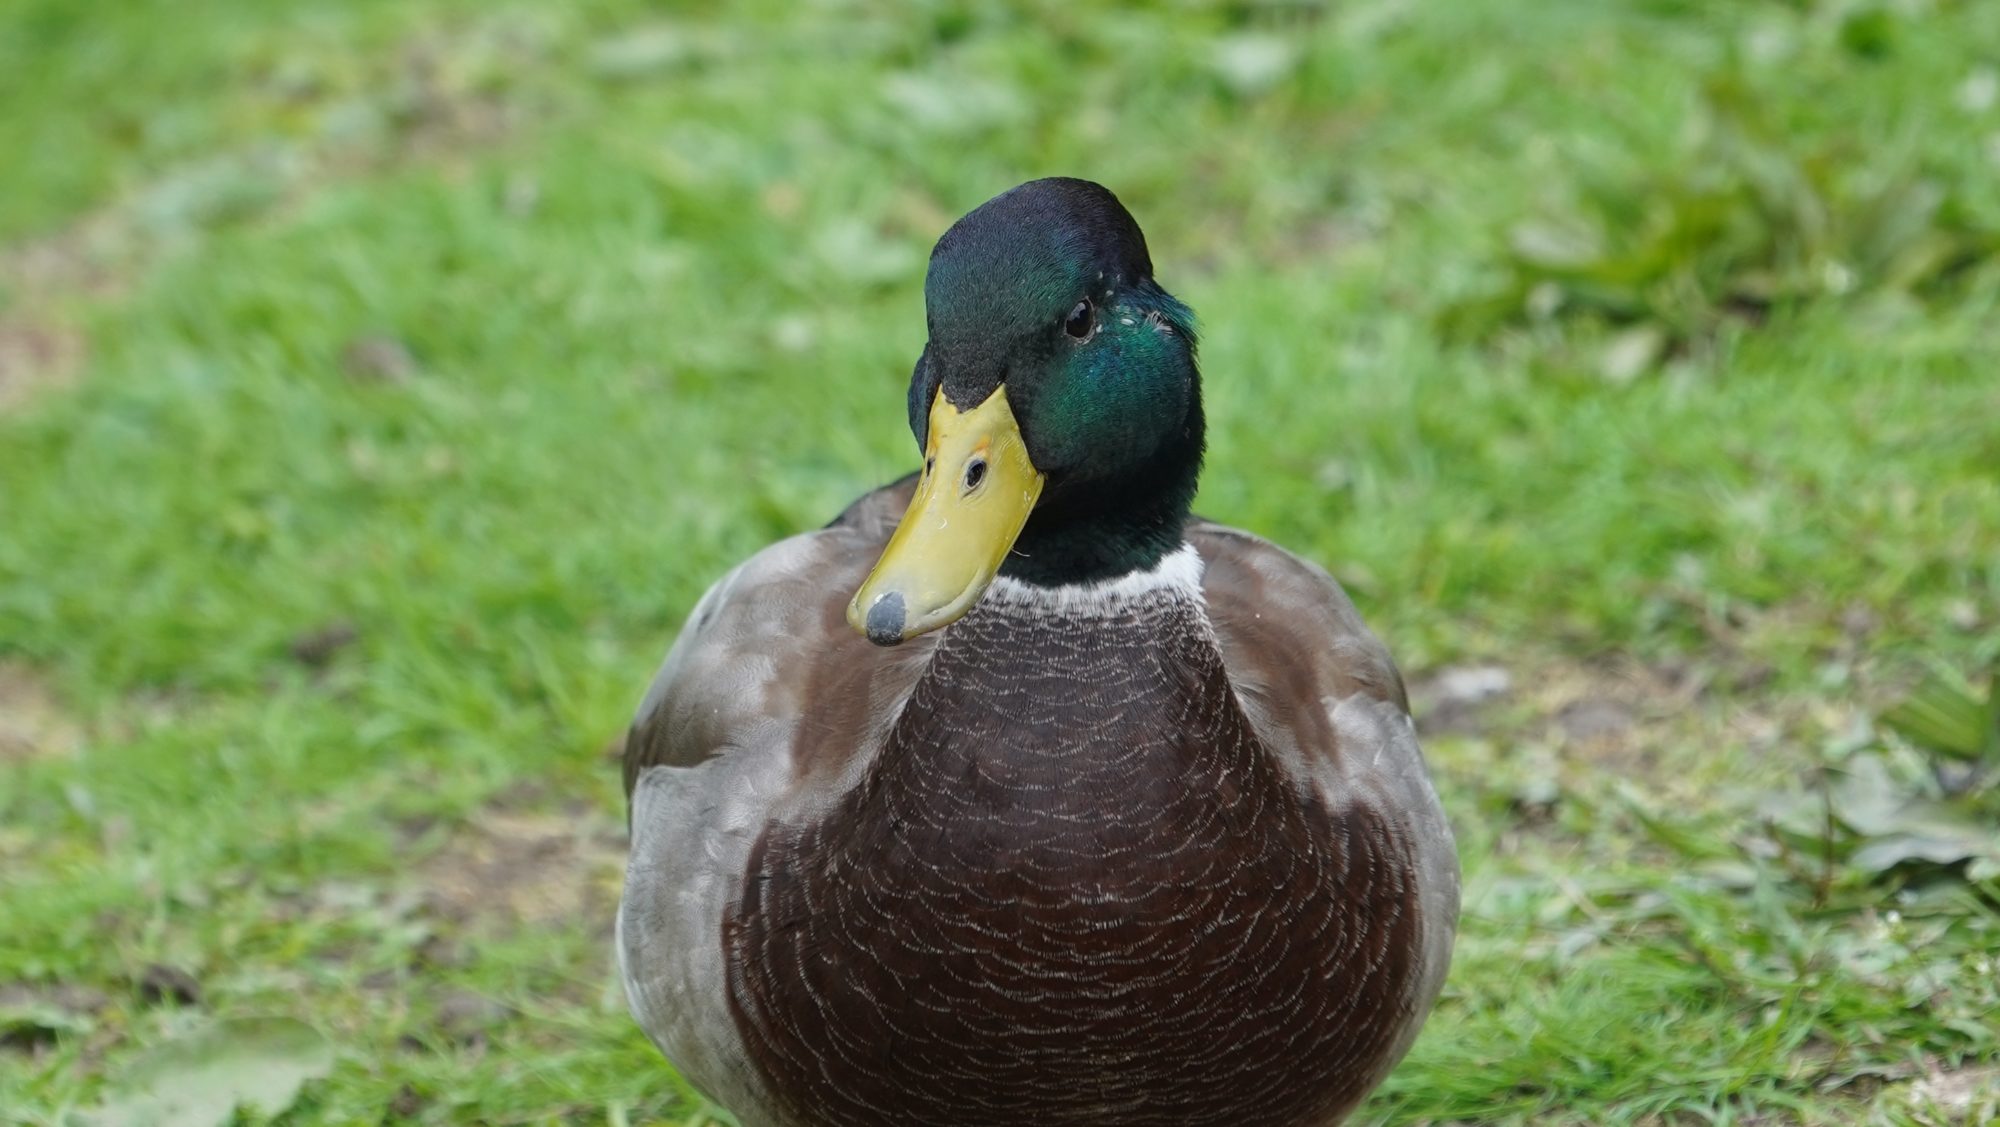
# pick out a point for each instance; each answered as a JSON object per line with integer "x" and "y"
{"x": 1948, "y": 716}
{"x": 1875, "y": 824}
{"x": 202, "y": 1079}
{"x": 1952, "y": 1096}
{"x": 32, "y": 1017}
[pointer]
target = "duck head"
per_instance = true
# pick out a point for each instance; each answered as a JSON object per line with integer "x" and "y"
{"x": 1057, "y": 404}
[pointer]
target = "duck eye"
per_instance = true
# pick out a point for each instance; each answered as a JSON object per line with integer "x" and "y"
{"x": 975, "y": 472}
{"x": 1080, "y": 319}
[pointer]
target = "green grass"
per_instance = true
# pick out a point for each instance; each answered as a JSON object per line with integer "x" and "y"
{"x": 1645, "y": 349}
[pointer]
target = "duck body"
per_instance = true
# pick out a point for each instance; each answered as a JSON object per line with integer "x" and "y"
{"x": 1150, "y": 848}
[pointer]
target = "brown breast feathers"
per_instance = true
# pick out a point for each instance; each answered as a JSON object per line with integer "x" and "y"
{"x": 1074, "y": 888}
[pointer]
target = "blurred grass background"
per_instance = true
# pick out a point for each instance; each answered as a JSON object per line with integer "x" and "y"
{"x": 381, "y": 382}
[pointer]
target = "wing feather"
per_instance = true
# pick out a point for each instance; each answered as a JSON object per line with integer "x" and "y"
{"x": 768, "y": 649}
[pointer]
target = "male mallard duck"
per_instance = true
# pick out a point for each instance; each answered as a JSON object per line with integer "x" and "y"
{"x": 1074, "y": 809}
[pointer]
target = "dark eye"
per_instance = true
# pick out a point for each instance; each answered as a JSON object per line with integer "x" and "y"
{"x": 975, "y": 472}
{"x": 1080, "y": 319}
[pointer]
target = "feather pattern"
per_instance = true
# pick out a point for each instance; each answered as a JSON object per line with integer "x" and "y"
{"x": 1161, "y": 851}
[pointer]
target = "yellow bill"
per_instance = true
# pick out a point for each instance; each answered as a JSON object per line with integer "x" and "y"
{"x": 976, "y": 492}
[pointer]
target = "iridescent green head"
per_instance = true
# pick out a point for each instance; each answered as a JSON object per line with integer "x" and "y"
{"x": 1058, "y": 405}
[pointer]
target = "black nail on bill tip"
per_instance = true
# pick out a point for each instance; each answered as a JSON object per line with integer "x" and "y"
{"x": 885, "y": 619}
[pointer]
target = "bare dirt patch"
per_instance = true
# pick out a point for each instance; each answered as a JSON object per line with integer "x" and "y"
{"x": 36, "y": 356}
{"x": 1455, "y": 698}
{"x": 1608, "y": 711}
{"x": 1546, "y": 736}
{"x": 509, "y": 869}
{"x": 1613, "y": 714}
{"x": 80, "y": 260}
{"x": 1617, "y": 713}
{"x": 32, "y": 724}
